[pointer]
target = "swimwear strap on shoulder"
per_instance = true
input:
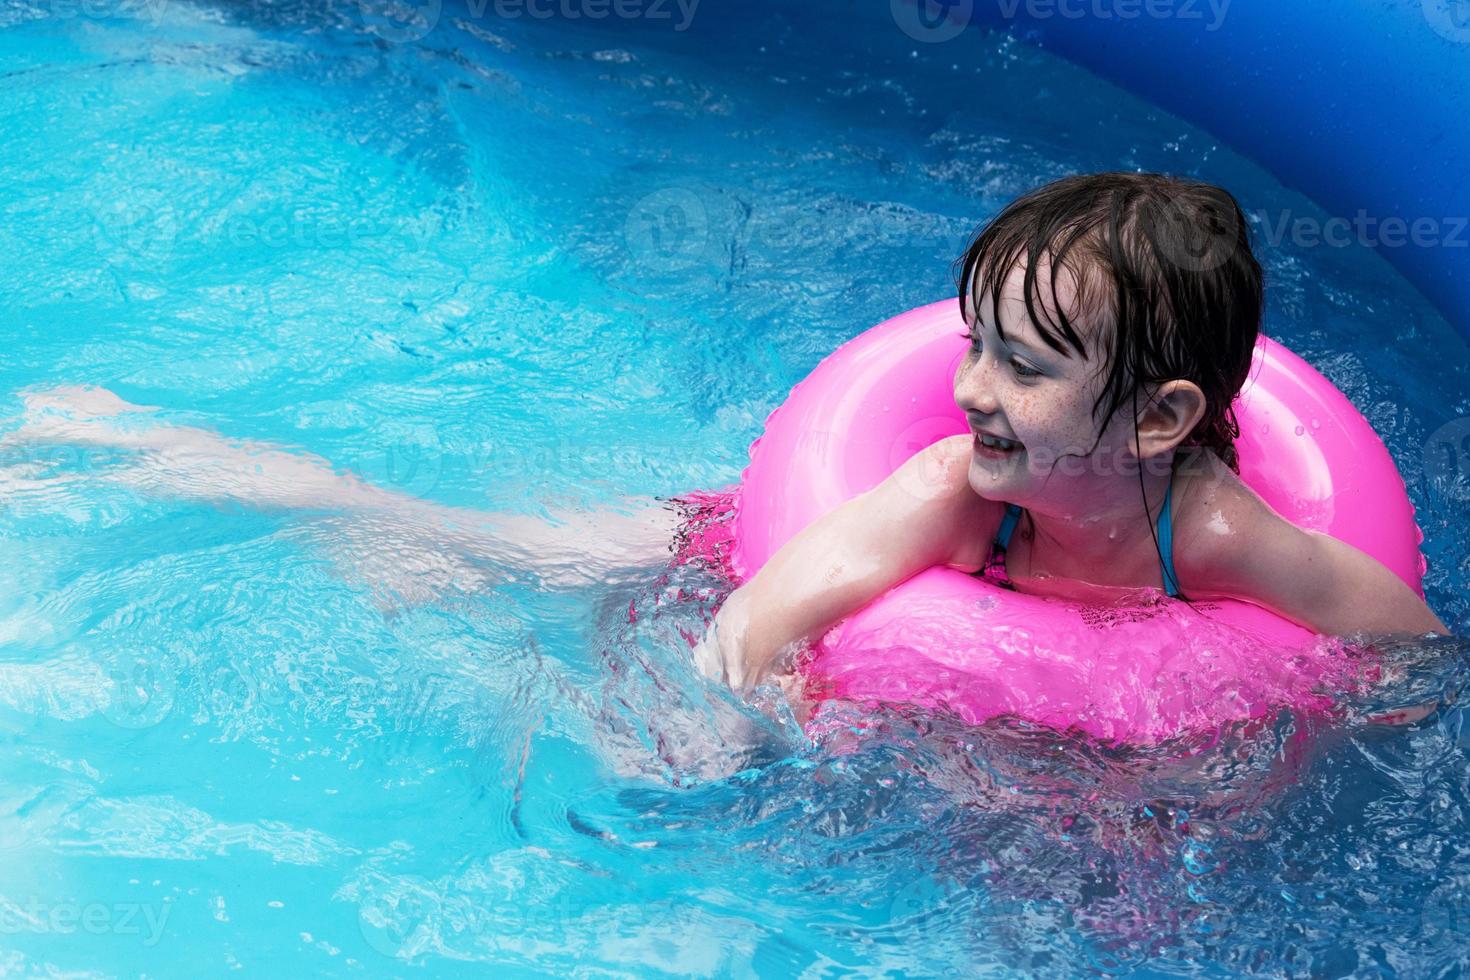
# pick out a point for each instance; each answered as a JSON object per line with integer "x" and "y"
{"x": 1003, "y": 536}
{"x": 1166, "y": 543}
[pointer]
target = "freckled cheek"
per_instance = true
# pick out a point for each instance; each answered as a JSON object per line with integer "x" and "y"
{"x": 1043, "y": 421}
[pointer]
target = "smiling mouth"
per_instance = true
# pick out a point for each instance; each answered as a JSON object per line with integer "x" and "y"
{"x": 995, "y": 444}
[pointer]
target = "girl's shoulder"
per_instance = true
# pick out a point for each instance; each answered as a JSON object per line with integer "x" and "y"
{"x": 1214, "y": 512}
{"x": 973, "y": 519}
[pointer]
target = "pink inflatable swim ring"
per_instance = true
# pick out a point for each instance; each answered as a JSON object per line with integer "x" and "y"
{"x": 1139, "y": 672}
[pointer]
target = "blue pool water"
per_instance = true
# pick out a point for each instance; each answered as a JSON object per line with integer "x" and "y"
{"x": 524, "y": 265}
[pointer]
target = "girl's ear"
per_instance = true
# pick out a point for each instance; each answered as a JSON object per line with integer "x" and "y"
{"x": 1169, "y": 418}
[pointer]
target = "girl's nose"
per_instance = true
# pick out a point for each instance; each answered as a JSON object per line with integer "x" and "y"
{"x": 973, "y": 388}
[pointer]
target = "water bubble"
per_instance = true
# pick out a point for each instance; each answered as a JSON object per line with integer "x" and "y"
{"x": 1300, "y": 430}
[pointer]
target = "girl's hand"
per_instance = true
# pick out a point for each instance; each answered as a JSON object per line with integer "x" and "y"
{"x": 724, "y": 662}
{"x": 724, "y": 654}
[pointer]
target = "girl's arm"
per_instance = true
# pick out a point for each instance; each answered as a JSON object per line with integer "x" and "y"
{"x": 920, "y": 516}
{"x": 573, "y": 549}
{"x": 1311, "y": 578}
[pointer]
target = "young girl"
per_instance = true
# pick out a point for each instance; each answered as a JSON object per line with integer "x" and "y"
{"x": 1111, "y": 323}
{"x": 1111, "y": 320}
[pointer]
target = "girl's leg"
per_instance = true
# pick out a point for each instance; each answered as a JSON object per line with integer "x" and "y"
{"x": 432, "y": 542}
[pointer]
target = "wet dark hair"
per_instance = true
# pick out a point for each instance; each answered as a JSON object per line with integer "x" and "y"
{"x": 1165, "y": 280}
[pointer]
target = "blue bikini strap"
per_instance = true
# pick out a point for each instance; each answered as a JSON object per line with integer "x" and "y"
{"x": 1166, "y": 542}
{"x": 1166, "y": 537}
{"x": 1003, "y": 536}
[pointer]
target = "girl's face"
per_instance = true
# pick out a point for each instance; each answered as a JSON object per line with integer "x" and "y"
{"x": 1023, "y": 391}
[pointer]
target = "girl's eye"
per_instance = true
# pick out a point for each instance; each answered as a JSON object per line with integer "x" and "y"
{"x": 1022, "y": 371}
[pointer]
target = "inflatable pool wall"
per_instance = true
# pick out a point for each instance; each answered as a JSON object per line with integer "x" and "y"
{"x": 1361, "y": 105}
